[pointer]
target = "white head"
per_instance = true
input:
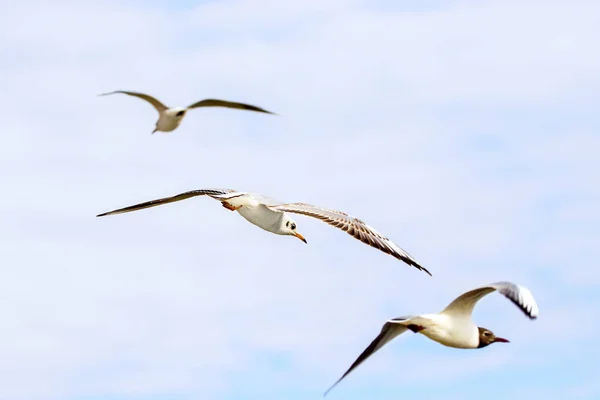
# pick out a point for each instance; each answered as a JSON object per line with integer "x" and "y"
{"x": 289, "y": 227}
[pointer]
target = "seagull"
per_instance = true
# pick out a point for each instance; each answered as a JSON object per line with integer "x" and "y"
{"x": 453, "y": 327}
{"x": 272, "y": 217}
{"x": 169, "y": 118}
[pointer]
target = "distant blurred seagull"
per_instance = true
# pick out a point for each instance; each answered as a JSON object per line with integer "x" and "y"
{"x": 452, "y": 327}
{"x": 272, "y": 217}
{"x": 169, "y": 118}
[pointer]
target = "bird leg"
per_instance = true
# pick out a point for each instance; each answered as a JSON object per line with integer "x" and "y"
{"x": 230, "y": 207}
{"x": 415, "y": 328}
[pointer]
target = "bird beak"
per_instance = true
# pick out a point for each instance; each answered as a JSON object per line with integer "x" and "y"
{"x": 299, "y": 236}
{"x": 501, "y": 340}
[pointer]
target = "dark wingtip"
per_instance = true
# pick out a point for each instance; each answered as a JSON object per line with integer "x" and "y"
{"x": 258, "y": 109}
{"x": 418, "y": 266}
{"x": 335, "y": 384}
{"x": 101, "y": 215}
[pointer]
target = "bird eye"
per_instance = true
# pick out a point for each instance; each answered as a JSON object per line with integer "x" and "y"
{"x": 293, "y": 226}
{"x": 486, "y": 334}
{"x": 287, "y": 223}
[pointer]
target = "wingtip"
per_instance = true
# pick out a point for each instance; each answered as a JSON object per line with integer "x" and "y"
{"x": 332, "y": 386}
{"x": 419, "y": 267}
{"x": 101, "y": 215}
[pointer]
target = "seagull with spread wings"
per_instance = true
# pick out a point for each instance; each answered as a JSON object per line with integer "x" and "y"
{"x": 275, "y": 218}
{"x": 169, "y": 118}
{"x": 453, "y": 327}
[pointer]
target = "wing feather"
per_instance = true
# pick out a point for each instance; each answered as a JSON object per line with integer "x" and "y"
{"x": 155, "y": 103}
{"x": 228, "y": 104}
{"x": 215, "y": 193}
{"x": 519, "y": 295}
{"x": 354, "y": 227}
{"x": 389, "y": 331}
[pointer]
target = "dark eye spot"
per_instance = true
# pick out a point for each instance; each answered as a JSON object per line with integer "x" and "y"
{"x": 293, "y": 226}
{"x": 287, "y": 223}
{"x": 486, "y": 334}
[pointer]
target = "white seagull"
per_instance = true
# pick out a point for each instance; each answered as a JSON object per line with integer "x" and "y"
{"x": 169, "y": 118}
{"x": 453, "y": 327}
{"x": 259, "y": 211}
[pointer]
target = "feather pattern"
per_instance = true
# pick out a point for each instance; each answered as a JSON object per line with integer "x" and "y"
{"x": 354, "y": 227}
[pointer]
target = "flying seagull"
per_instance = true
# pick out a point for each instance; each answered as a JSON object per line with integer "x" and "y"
{"x": 169, "y": 118}
{"x": 453, "y": 327}
{"x": 273, "y": 217}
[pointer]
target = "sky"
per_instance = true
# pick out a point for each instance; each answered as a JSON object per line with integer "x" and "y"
{"x": 466, "y": 131}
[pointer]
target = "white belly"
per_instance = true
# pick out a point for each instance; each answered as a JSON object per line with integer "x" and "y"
{"x": 461, "y": 334}
{"x": 261, "y": 216}
{"x": 167, "y": 123}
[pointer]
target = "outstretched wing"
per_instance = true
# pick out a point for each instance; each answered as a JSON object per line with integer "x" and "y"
{"x": 157, "y": 104}
{"x": 354, "y": 226}
{"x": 228, "y": 104}
{"x": 182, "y": 196}
{"x": 521, "y": 296}
{"x": 389, "y": 331}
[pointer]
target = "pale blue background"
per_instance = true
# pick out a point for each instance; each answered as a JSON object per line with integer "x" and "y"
{"x": 466, "y": 131}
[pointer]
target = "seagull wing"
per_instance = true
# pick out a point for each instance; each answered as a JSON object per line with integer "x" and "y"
{"x": 521, "y": 296}
{"x": 214, "y": 193}
{"x": 389, "y": 331}
{"x": 353, "y": 226}
{"x": 228, "y": 104}
{"x": 157, "y": 104}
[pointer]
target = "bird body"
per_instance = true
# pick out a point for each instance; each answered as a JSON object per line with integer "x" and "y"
{"x": 453, "y": 326}
{"x": 257, "y": 213}
{"x": 451, "y": 332}
{"x": 169, "y": 118}
{"x": 275, "y": 218}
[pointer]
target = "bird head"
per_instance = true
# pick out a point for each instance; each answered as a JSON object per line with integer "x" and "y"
{"x": 289, "y": 228}
{"x": 487, "y": 337}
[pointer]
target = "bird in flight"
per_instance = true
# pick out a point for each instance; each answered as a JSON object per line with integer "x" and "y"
{"x": 169, "y": 118}
{"x": 453, "y": 327}
{"x": 274, "y": 217}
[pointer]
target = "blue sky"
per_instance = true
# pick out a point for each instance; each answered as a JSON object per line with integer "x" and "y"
{"x": 466, "y": 131}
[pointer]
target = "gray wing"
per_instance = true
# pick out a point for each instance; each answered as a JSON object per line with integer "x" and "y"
{"x": 228, "y": 104}
{"x": 353, "y": 226}
{"x": 390, "y": 330}
{"x": 215, "y": 193}
{"x": 521, "y": 296}
{"x": 157, "y": 104}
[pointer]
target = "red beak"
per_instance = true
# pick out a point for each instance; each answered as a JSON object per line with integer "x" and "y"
{"x": 501, "y": 340}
